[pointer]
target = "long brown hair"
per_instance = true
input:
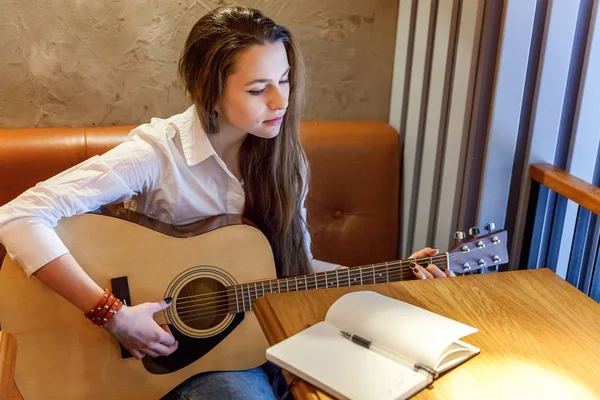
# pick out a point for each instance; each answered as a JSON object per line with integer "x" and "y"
{"x": 274, "y": 170}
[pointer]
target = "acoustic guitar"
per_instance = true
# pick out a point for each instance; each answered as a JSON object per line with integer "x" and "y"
{"x": 214, "y": 270}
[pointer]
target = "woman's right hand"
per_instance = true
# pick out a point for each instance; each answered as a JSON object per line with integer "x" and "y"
{"x": 135, "y": 329}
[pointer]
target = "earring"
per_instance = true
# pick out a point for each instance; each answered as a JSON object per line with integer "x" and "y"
{"x": 211, "y": 125}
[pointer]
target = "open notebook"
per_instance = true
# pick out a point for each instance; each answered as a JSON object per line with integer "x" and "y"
{"x": 409, "y": 348}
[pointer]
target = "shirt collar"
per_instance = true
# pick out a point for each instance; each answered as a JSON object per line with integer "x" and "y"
{"x": 195, "y": 143}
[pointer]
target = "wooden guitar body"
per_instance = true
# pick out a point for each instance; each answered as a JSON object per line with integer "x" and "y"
{"x": 61, "y": 355}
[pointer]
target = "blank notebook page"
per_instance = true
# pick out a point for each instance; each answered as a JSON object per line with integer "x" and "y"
{"x": 321, "y": 356}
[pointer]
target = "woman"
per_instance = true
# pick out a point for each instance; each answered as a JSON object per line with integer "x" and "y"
{"x": 235, "y": 150}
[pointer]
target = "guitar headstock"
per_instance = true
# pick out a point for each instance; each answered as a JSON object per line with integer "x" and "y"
{"x": 479, "y": 252}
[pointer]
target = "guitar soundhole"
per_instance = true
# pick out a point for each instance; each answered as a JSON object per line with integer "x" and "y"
{"x": 202, "y": 303}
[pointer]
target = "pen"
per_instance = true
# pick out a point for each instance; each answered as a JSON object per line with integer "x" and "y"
{"x": 356, "y": 339}
{"x": 367, "y": 344}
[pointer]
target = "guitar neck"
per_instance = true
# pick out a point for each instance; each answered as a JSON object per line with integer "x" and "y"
{"x": 242, "y": 296}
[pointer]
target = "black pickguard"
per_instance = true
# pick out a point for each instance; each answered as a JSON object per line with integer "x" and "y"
{"x": 189, "y": 350}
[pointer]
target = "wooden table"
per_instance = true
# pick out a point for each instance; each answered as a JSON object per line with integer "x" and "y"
{"x": 539, "y": 336}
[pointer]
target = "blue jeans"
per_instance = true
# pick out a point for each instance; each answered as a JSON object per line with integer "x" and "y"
{"x": 264, "y": 382}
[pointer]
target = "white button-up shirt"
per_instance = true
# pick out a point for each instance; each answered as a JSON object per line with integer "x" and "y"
{"x": 167, "y": 169}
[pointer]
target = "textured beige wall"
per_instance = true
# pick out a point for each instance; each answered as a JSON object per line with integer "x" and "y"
{"x": 92, "y": 62}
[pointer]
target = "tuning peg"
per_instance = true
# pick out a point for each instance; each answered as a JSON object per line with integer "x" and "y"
{"x": 494, "y": 268}
{"x": 459, "y": 236}
{"x": 489, "y": 226}
{"x": 474, "y": 231}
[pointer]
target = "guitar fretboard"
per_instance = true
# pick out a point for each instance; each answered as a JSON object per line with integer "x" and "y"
{"x": 242, "y": 296}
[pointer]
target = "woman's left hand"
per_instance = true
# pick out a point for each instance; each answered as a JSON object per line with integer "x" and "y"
{"x": 430, "y": 270}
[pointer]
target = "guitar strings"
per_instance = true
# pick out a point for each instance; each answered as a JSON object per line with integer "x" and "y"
{"x": 228, "y": 303}
{"x": 217, "y": 304}
{"x": 390, "y": 265}
{"x": 344, "y": 279}
{"x": 304, "y": 282}
{"x": 393, "y": 270}
{"x": 227, "y": 309}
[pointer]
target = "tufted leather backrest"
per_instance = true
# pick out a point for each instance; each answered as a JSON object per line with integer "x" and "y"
{"x": 353, "y": 199}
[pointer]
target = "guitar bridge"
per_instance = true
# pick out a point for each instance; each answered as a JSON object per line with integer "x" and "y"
{"x": 120, "y": 288}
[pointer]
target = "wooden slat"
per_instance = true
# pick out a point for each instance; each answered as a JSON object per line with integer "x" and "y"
{"x": 569, "y": 154}
{"x": 585, "y": 137}
{"x": 581, "y": 192}
{"x": 548, "y": 133}
{"x": 457, "y": 128}
{"x": 433, "y": 134}
{"x": 8, "y": 356}
{"x": 401, "y": 84}
{"x": 417, "y": 96}
{"x": 402, "y": 62}
{"x": 508, "y": 107}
